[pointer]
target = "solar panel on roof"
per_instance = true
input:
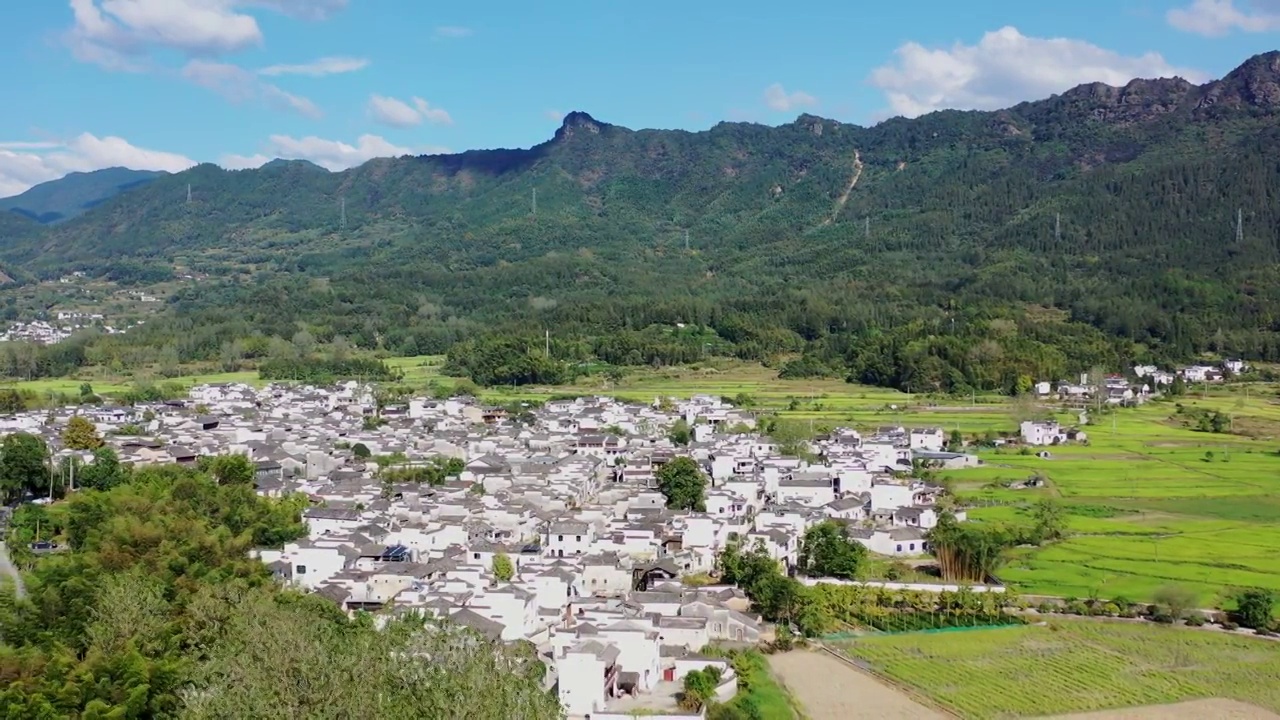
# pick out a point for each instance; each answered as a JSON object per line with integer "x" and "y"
{"x": 395, "y": 553}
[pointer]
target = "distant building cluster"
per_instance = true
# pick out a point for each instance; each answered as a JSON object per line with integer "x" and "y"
{"x": 68, "y": 323}
{"x": 1145, "y": 381}
{"x": 566, "y": 492}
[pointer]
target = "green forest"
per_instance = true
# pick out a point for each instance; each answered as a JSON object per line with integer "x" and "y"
{"x": 976, "y": 250}
{"x": 157, "y": 609}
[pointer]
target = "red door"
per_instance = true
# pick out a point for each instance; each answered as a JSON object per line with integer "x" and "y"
{"x": 669, "y": 674}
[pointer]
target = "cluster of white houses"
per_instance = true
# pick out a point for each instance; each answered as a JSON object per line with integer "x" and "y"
{"x": 1145, "y": 382}
{"x": 569, "y": 497}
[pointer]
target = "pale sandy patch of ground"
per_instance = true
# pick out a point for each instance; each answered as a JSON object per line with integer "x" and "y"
{"x": 1212, "y": 709}
{"x": 829, "y": 689}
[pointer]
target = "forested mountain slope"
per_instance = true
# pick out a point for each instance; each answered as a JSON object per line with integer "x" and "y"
{"x": 66, "y": 197}
{"x": 976, "y": 248}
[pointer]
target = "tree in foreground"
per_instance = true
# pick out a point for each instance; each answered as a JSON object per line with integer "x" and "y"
{"x": 81, "y": 434}
{"x": 233, "y": 469}
{"x": 967, "y": 552}
{"x": 503, "y": 570}
{"x": 1050, "y": 521}
{"x": 827, "y": 551}
{"x": 683, "y": 484}
{"x": 23, "y": 468}
{"x": 268, "y": 658}
{"x": 1176, "y": 601}
{"x": 1255, "y": 608}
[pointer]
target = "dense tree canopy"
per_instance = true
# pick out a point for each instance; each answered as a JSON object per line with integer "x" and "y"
{"x": 827, "y": 551}
{"x": 684, "y": 485}
{"x": 159, "y": 611}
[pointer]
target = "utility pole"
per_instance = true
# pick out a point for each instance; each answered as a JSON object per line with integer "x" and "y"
{"x": 866, "y": 228}
{"x": 1240, "y": 225}
{"x": 547, "y": 346}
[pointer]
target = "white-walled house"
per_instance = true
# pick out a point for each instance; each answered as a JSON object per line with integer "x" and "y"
{"x": 1041, "y": 433}
{"x": 567, "y": 538}
{"x": 927, "y": 439}
{"x": 587, "y": 675}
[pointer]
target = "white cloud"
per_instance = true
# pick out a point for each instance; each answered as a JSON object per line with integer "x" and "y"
{"x": 397, "y": 113}
{"x": 777, "y": 98}
{"x": 23, "y": 164}
{"x": 121, "y": 34}
{"x": 239, "y": 85}
{"x": 304, "y": 9}
{"x": 452, "y": 31}
{"x": 556, "y": 115}
{"x": 1215, "y": 18}
{"x": 1005, "y": 68}
{"x": 331, "y": 154}
{"x": 318, "y": 68}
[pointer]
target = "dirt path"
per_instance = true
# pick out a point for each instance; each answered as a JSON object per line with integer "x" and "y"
{"x": 830, "y": 689}
{"x": 8, "y": 570}
{"x": 1193, "y": 710}
{"x": 844, "y": 197}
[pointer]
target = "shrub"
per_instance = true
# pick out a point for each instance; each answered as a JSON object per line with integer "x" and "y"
{"x": 1228, "y": 625}
{"x": 1195, "y": 620}
{"x": 1046, "y": 608}
{"x": 1111, "y": 609}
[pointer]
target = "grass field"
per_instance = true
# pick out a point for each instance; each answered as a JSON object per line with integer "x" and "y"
{"x": 1075, "y": 666}
{"x": 1151, "y": 502}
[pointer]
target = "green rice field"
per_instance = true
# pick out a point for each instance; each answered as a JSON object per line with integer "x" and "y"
{"x": 1073, "y": 666}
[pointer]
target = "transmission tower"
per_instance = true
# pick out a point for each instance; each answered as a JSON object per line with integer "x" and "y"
{"x": 188, "y": 193}
{"x": 535, "y": 201}
{"x": 342, "y": 221}
{"x": 866, "y": 228}
{"x": 686, "y": 239}
{"x": 1240, "y": 225}
{"x": 1057, "y": 227}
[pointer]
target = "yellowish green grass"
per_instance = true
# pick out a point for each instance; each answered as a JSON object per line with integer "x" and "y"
{"x": 1076, "y": 666}
{"x": 1151, "y": 504}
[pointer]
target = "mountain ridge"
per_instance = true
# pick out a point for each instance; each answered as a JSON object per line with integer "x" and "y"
{"x": 1098, "y": 222}
{"x": 75, "y": 193}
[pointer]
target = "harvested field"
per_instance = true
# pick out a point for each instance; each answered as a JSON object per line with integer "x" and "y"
{"x": 1193, "y": 710}
{"x": 829, "y": 689}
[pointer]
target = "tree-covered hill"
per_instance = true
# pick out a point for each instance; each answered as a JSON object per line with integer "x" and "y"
{"x": 66, "y": 197}
{"x": 959, "y": 249}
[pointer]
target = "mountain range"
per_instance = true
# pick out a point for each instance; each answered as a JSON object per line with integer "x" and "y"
{"x": 961, "y": 248}
{"x": 69, "y": 196}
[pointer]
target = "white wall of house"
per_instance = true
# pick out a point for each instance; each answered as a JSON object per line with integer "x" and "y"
{"x": 581, "y": 683}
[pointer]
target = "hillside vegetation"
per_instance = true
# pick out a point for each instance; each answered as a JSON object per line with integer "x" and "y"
{"x": 66, "y": 197}
{"x": 976, "y": 250}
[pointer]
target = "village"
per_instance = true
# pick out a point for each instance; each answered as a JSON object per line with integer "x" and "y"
{"x": 548, "y": 526}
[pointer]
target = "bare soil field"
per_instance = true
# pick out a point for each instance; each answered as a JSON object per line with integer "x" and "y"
{"x": 829, "y": 689}
{"x": 1212, "y": 709}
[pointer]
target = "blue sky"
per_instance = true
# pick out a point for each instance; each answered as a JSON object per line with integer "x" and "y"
{"x": 163, "y": 83}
